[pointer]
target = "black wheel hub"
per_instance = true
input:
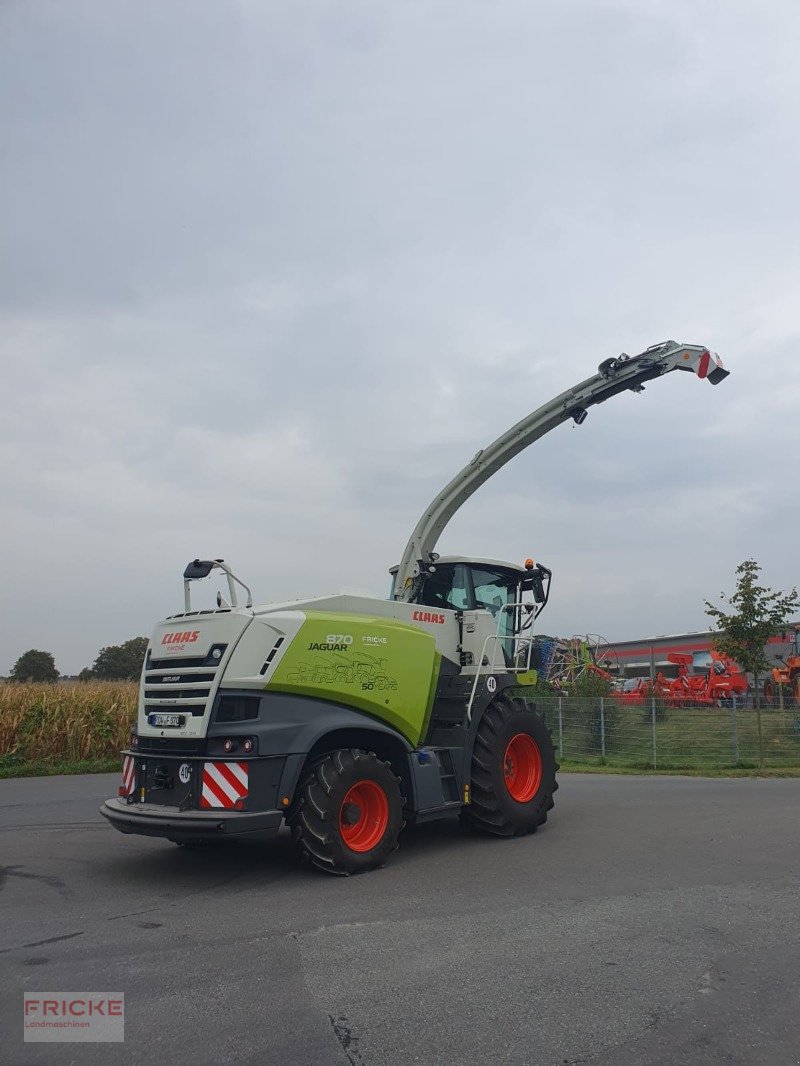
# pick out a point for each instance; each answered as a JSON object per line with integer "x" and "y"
{"x": 351, "y": 814}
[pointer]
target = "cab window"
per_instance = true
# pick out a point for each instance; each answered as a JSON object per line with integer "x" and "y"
{"x": 447, "y": 588}
{"x": 493, "y": 589}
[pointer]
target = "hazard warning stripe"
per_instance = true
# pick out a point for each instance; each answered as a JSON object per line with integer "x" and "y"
{"x": 128, "y": 774}
{"x": 224, "y": 783}
{"x": 212, "y": 797}
{"x": 234, "y": 776}
{"x": 239, "y": 770}
{"x": 221, "y": 778}
{"x": 237, "y": 776}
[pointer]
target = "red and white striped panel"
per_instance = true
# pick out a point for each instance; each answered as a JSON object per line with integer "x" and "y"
{"x": 223, "y": 784}
{"x": 128, "y": 775}
{"x": 708, "y": 363}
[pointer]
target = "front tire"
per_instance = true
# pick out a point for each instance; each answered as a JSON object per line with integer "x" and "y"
{"x": 513, "y": 770}
{"x": 349, "y": 813}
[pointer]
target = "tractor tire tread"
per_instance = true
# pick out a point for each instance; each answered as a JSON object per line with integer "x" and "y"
{"x": 492, "y": 810}
{"x": 314, "y": 820}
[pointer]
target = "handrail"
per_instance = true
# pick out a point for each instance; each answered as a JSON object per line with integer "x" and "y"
{"x": 498, "y": 639}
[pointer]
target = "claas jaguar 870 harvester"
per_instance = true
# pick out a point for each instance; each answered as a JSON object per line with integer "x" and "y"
{"x": 346, "y": 716}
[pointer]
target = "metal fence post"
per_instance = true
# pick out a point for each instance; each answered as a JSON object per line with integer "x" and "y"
{"x": 655, "y": 743}
{"x": 735, "y": 724}
{"x": 602, "y": 728}
{"x": 560, "y": 730}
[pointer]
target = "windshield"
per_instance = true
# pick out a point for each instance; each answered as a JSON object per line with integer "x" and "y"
{"x": 446, "y": 587}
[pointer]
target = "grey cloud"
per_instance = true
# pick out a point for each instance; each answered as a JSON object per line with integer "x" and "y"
{"x": 272, "y": 275}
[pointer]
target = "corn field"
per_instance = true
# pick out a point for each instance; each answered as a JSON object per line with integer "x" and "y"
{"x": 70, "y": 722}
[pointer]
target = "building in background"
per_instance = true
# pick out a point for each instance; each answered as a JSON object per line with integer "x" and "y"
{"x": 648, "y": 656}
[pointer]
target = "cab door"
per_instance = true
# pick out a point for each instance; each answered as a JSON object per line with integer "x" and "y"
{"x": 495, "y": 590}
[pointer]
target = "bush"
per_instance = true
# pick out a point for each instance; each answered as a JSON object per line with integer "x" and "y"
{"x": 600, "y": 723}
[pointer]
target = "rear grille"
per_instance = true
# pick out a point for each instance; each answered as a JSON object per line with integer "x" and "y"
{"x": 174, "y": 678}
{"x": 181, "y": 684}
{"x": 176, "y": 745}
{"x": 193, "y": 685}
{"x": 176, "y": 694}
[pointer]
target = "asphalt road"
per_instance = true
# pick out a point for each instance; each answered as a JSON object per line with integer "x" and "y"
{"x": 653, "y": 920}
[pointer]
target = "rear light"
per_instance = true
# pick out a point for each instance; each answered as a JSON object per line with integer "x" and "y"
{"x": 234, "y": 747}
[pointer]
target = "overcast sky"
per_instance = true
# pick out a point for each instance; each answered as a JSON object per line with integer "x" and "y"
{"x": 271, "y": 273}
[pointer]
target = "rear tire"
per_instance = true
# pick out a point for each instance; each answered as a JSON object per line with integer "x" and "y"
{"x": 349, "y": 813}
{"x": 513, "y": 770}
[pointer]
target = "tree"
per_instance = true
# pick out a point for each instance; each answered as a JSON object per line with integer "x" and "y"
{"x": 34, "y": 666}
{"x": 120, "y": 662}
{"x": 86, "y": 674}
{"x": 590, "y": 683}
{"x": 754, "y": 614}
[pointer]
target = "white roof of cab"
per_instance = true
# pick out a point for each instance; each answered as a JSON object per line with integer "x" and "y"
{"x": 474, "y": 562}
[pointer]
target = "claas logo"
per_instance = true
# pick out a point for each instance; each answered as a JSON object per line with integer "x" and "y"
{"x": 428, "y": 616}
{"x": 181, "y": 638}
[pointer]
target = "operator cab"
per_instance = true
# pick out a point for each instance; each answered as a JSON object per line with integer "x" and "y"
{"x": 454, "y": 583}
{"x": 471, "y": 584}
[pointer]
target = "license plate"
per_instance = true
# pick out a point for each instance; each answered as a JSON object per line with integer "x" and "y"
{"x": 166, "y": 721}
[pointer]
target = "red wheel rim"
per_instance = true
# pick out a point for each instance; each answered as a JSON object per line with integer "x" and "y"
{"x": 364, "y": 816}
{"x": 522, "y": 767}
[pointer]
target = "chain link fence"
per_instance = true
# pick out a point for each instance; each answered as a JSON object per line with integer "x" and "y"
{"x": 654, "y": 735}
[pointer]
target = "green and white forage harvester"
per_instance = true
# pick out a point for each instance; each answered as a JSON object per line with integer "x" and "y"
{"x": 347, "y": 716}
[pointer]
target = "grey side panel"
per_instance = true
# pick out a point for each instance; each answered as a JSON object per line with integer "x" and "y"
{"x": 289, "y": 725}
{"x": 428, "y": 793}
{"x": 291, "y": 777}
